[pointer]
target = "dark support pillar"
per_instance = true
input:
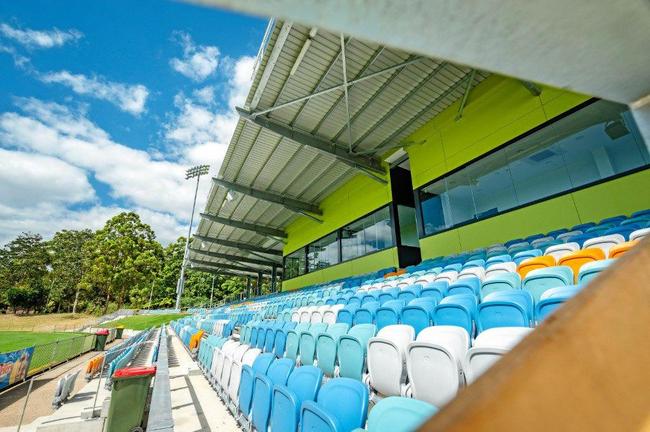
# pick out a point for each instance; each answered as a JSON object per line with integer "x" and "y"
{"x": 274, "y": 274}
{"x": 248, "y": 287}
{"x": 259, "y": 284}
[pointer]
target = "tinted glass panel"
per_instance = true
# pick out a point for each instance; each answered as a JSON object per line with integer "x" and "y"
{"x": 367, "y": 235}
{"x": 598, "y": 142}
{"x": 294, "y": 264}
{"x": 323, "y": 253}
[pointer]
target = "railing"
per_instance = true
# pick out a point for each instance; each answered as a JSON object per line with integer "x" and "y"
{"x": 49, "y": 355}
{"x": 160, "y": 411}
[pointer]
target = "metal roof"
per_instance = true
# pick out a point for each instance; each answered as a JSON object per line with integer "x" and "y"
{"x": 390, "y": 94}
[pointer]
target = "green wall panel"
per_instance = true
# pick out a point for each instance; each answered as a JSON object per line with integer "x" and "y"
{"x": 624, "y": 195}
{"x": 367, "y": 264}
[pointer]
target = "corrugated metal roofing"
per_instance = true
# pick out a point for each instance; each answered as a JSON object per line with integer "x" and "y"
{"x": 383, "y": 111}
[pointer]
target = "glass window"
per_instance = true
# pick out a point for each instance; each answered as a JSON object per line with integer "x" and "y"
{"x": 595, "y": 143}
{"x": 323, "y": 253}
{"x": 295, "y": 263}
{"x": 372, "y": 233}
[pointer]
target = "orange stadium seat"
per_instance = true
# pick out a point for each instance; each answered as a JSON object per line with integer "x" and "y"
{"x": 534, "y": 264}
{"x": 620, "y": 249}
{"x": 577, "y": 259}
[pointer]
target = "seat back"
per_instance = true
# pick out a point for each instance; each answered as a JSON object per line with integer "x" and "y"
{"x": 365, "y": 314}
{"x": 590, "y": 270}
{"x": 500, "y": 282}
{"x": 341, "y": 405}
{"x": 468, "y": 285}
{"x": 389, "y": 313}
{"x": 303, "y": 385}
{"x": 618, "y": 250}
{"x": 292, "y": 343}
{"x": 419, "y": 313}
{"x": 351, "y": 351}
{"x": 605, "y": 243}
{"x": 346, "y": 314}
{"x": 436, "y": 290}
{"x": 410, "y": 292}
{"x": 639, "y": 234}
{"x": 530, "y": 264}
{"x": 552, "y": 299}
{"x": 538, "y": 281}
{"x": 489, "y": 346}
{"x": 277, "y": 374}
{"x": 436, "y": 356}
{"x": 329, "y": 316}
{"x": 307, "y": 346}
{"x": 247, "y": 381}
{"x": 386, "y": 358}
{"x": 458, "y": 310}
{"x": 472, "y": 272}
{"x": 448, "y": 276}
{"x": 577, "y": 259}
{"x": 500, "y": 268}
{"x": 505, "y": 309}
{"x": 399, "y": 414}
{"x": 326, "y": 347}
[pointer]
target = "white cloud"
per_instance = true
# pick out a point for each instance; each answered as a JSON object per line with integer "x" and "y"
{"x": 198, "y": 61}
{"x": 129, "y": 98}
{"x": 201, "y": 135}
{"x": 19, "y": 60}
{"x": 204, "y": 95}
{"x": 40, "y": 38}
{"x": 27, "y": 178}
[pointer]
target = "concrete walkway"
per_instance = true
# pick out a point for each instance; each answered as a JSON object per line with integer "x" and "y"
{"x": 195, "y": 405}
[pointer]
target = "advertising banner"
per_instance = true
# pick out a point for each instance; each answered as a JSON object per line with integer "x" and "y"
{"x": 14, "y": 366}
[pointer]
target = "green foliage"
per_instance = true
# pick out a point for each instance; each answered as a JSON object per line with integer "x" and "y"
{"x": 119, "y": 265}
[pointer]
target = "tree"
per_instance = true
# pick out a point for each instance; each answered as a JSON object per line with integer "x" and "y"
{"x": 66, "y": 255}
{"x": 121, "y": 259}
{"x": 23, "y": 264}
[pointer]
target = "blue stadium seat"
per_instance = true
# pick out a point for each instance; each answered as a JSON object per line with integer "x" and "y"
{"x": 500, "y": 282}
{"x": 524, "y": 255}
{"x": 498, "y": 259}
{"x": 582, "y": 227}
{"x": 280, "y": 339}
{"x": 410, "y": 292}
{"x": 505, "y": 309}
{"x": 419, "y": 313}
{"x": 389, "y": 313}
{"x": 557, "y": 232}
{"x": 474, "y": 263}
{"x": 303, "y": 385}
{"x": 369, "y": 297}
{"x": 615, "y": 219}
{"x": 640, "y": 213}
{"x": 455, "y": 266}
{"x": 277, "y": 374}
{"x": 399, "y": 414}
{"x": 269, "y": 341}
{"x": 539, "y": 280}
{"x": 388, "y": 294}
{"x": 326, "y": 347}
{"x": 458, "y": 310}
{"x": 346, "y": 314}
{"x": 354, "y": 301}
{"x": 352, "y": 348}
{"x": 365, "y": 314}
{"x": 341, "y": 406}
{"x": 292, "y": 343}
{"x": 469, "y": 285}
{"x": 247, "y": 381}
{"x": 553, "y": 299}
{"x": 436, "y": 290}
{"x": 307, "y": 343}
{"x": 590, "y": 270}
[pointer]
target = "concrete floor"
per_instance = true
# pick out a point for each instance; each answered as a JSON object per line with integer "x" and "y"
{"x": 195, "y": 405}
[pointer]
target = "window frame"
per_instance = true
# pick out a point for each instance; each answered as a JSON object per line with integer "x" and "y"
{"x": 338, "y": 232}
{"x": 419, "y": 216}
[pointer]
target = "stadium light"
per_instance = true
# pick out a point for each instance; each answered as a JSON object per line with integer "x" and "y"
{"x": 195, "y": 171}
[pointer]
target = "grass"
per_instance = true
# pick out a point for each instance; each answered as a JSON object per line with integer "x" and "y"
{"x": 142, "y": 322}
{"x": 15, "y": 340}
{"x": 45, "y": 322}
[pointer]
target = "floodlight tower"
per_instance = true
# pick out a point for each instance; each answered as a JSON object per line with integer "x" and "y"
{"x": 196, "y": 171}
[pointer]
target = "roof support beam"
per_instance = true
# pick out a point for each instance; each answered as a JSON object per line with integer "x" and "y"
{"x": 463, "y": 101}
{"x": 217, "y": 271}
{"x": 238, "y": 245}
{"x": 363, "y": 163}
{"x": 259, "y": 229}
{"x": 533, "y": 88}
{"x": 237, "y": 258}
{"x": 336, "y": 87}
{"x": 229, "y": 266}
{"x": 292, "y": 204}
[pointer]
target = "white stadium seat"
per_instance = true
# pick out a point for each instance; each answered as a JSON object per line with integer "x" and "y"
{"x": 558, "y": 251}
{"x": 489, "y": 346}
{"x": 387, "y": 358}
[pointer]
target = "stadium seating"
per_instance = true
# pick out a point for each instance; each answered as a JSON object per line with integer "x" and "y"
{"x": 341, "y": 405}
{"x": 387, "y": 357}
{"x": 352, "y": 350}
{"x": 303, "y": 385}
{"x": 489, "y": 346}
{"x": 277, "y": 374}
{"x": 398, "y": 414}
{"x": 538, "y": 281}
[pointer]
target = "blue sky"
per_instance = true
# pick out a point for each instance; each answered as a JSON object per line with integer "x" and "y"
{"x": 103, "y": 105}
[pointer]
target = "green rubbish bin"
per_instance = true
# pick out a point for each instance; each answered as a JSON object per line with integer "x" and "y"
{"x": 129, "y": 398}
{"x": 100, "y": 339}
{"x": 118, "y": 332}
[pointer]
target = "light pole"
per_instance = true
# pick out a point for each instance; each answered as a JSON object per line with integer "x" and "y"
{"x": 197, "y": 172}
{"x": 212, "y": 291}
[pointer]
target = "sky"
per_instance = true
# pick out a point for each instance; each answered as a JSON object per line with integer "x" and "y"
{"x": 104, "y": 105}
